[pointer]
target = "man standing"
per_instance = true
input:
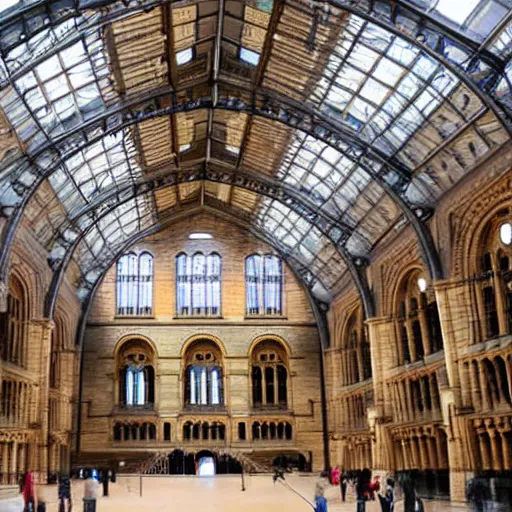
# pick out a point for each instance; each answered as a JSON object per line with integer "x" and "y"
{"x": 343, "y": 485}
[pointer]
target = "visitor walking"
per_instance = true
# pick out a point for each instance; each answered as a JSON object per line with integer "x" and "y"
{"x": 363, "y": 489}
{"x": 320, "y": 500}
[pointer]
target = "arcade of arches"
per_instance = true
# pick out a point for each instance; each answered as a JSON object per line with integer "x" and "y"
{"x": 272, "y": 229}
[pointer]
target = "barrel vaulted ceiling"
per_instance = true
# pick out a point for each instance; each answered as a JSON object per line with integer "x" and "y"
{"x": 322, "y": 124}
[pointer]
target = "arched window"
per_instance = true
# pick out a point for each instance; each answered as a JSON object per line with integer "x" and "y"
{"x": 418, "y": 329}
{"x": 356, "y": 364}
{"x": 203, "y": 375}
{"x": 13, "y": 325}
{"x": 136, "y": 375}
{"x": 135, "y": 284}
{"x": 494, "y": 281}
{"x": 264, "y": 285}
{"x": 58, "y": 344}
{"x": 269, "y": 374}
{"x": 198, "y": 284}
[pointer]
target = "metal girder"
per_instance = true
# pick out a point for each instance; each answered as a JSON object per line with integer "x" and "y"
{"x": 388, "y": 19}
{"x": 237, "y": 178}
{"x": 277, "y": 108}
{"x": 383, "y": 13}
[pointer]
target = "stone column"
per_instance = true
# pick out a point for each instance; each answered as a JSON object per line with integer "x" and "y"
{"x": 44, "y": 328}
{"x": 21, "y": 458}
{"x": 501, "y": 308}
{"x": 5, "y": 462}
{"x": 425, "y": 335}
{"x": 13, "y": 469}
{"x": 495, "y": 450}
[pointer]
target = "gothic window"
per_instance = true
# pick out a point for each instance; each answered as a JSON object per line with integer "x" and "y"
{"x": 204, "y": 431}
{"x": 494, "y": 277}
{"x": 136, "y": 376}
{"x": 57, "y": 345}
{"x": 198, "y": 284}
{"x": 203, "y": 375}
{"x": 418, "y": 328}
{"x": 134, "y": 432}
{"x": 13, "y": 325}
{"x": 355, "y": 350}
{"x": 135, "y": 284}
{"x": 269, "y": 375}
{"x": 271, "y": 431}
{"x": 264, "y": 285}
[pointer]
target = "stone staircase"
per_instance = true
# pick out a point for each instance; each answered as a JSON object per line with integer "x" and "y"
{"x": 157, "y": 464}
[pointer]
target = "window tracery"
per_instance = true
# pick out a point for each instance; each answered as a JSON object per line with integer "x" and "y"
{"x": 134, "y": 284}
{"x": 203, "y": 375}
{"x": 494, "y": 281}
{"x": 418, "y": 328}
{"x": 272, "y": 431}
{"x": 355, "y": 358}
{"x": 264, "y": 285}
{"x": 204, "y": 431}
{"x": 13, "y": 325}
{"x": 269, "y": 375}
{"x": 198, "y": 280}
{"x": 136, "y": 376}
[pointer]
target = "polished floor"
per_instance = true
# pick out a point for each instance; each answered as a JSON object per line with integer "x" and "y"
{"x": 223, "y": 493}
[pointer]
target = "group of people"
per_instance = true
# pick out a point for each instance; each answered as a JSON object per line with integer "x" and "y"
{"x": 367, "y": 489}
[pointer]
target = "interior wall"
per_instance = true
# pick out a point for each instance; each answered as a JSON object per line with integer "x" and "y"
{"x": 169, "y": 335}
{"x": 456, "y": 435}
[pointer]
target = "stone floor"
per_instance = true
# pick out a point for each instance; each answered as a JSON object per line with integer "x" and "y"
{"x": 219, "y": 494}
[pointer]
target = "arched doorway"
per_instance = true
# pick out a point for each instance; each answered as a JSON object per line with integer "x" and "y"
{"x": 206, "y": 463}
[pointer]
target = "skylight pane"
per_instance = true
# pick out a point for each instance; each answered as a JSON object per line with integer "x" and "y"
{"x": 5, "y": 4}
{"x": 184, "y": 56}
{"x": 249, "y": 56}
{"x": 456, "y": 10}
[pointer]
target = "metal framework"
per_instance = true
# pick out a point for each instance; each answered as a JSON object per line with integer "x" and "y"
{"x": 343, "y": 117}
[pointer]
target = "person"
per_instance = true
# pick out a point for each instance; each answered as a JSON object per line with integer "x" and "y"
{"x": 411, "y": 504}
{"x": 374, "y": 487}
{"x": 335, "y": 475}
{"x": 477, "y": 494}
{"x": 29, "y": 492}
{"x": 320, "y": 500}
{"x": 363, "y": 489}
{"x": 64, "y": 492}
{"x": 387, "y": 500}
{"x": 90, "y": 491}
{"x": 343, "y": 485}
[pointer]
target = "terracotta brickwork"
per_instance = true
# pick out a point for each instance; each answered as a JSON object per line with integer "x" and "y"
{"x": 439, "y": 399}
{"x": 36, "y": 414}
{"x": 233, "y": 337}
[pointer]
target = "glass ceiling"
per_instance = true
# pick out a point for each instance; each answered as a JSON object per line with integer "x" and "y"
{"x": 326, "y": 127}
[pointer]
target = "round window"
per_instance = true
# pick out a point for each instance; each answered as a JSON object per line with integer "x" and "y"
{"x": 506, "y": 233}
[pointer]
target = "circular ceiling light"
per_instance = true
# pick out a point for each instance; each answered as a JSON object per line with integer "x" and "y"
{"x": 200, "y": 236}
{"x": 422, "y": 284}
{"x": 506, "y": 233}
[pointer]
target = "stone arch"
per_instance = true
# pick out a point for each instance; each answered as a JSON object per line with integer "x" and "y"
{"x": 189, "y": 342}
{"x": 469, "y": 223}
{"x": 127, "y": 338}
{"x": 270, "y": 337}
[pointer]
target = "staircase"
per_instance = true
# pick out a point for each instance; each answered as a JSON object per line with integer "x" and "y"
{"x": 157, "y": 464}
